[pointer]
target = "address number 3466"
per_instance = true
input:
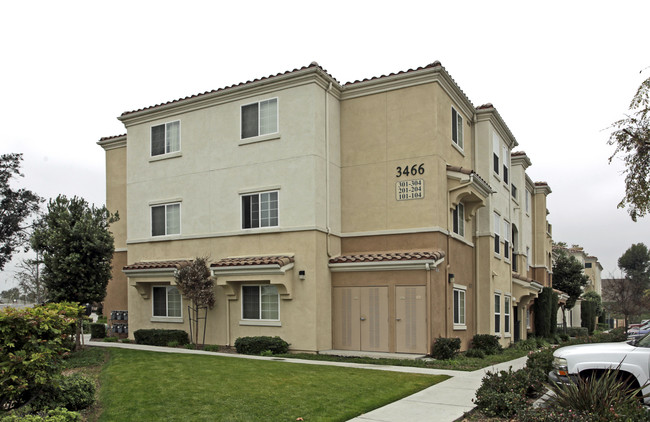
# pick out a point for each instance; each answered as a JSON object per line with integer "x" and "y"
{"x": 412, "y": 170}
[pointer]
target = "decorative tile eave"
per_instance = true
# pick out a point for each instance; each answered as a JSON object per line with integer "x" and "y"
{"x": 391, "y": 261}
{"x": 533, "y": 286}
{"x": 252, "y": 270}
{"x": 112, "y": 142}
{"x": 231, "y": 272}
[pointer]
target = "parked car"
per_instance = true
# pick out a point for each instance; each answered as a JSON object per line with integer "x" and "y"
{"x": 637, "y": 326}
{"x": 637, "y": 334}
{"x": 586, "y": 360}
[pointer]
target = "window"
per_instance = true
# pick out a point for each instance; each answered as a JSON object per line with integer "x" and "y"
{"x": 513, "y": 191}
{"x": 495, "y": 154}
{"x": 260, "y": 210}
{"x": 587, "y": 264}
{"x": 459, "y": 306}
{"x": 506, "y": 314}
{"x": 527, "y": 201}
{"x": 458, "y": 217}
{"x": 456, "y": 128}
{"x": 165, "y": 138}
{"x": 260, "y": 302}
{"x": 497, "y": 312}
{"x": 497, "y": 223}
{"x": 165, "y": 219}
{"x": 166, "y": 302}
{"x": 259, "y": 118}
{"x": 504, "y": 158}
{"x": 506, "y": 236}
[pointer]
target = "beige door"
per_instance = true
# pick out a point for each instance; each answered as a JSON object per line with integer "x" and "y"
{"x": 410, "y": 319}
{"x": 360, "y": 320}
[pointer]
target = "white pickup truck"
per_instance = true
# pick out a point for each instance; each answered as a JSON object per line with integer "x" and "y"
{"x": 585, "y": 360}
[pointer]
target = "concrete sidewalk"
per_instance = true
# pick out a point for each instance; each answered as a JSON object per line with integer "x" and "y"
{"x": 444, "y": 402}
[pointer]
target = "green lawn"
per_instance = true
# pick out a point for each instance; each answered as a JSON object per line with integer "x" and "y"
{"x": 150, "y": 386}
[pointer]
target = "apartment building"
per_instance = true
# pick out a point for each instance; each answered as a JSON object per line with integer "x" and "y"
{"x": 375, "y": 215}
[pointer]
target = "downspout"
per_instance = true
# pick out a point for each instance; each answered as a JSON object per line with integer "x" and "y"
{"x": 327, "y": 170}
{"x": 429, "y": 307}
{"x": 227, "y": 322}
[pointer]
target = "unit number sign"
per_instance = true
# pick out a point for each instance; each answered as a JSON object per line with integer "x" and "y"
{"x": 409, "y": 189}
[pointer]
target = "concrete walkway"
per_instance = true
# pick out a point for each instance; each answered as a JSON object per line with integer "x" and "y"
{"x": 444, "y": 402}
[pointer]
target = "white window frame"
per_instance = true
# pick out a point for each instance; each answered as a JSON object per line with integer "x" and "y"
{"x": 506, "y": 165}
{"x": 260, "y": 320}
{"x": 458, "y": 220}
{"x": 507, "y": 301}
{"x": 259, "y": 211}
{"x": 167, "y": 233}
{"x": 461, "y": 322}
{"x": 506, "y": 239}
{"x": 457, "y": 137}
{"x": 497, "y": 313}
{"x": 497, "y": 240}
{"x": 166, "y": 316}
{"x": 259, "y": 118}
{"x": 496, "y": 147}
{"x": 168, "y": 149}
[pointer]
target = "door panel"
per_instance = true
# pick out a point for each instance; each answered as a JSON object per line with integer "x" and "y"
{"x": 410, "y": 319}
{"x": 374, "y": 319}
{"x": 346, "y": 324}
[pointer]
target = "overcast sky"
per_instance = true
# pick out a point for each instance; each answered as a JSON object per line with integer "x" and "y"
{"x": 559, "y": 73}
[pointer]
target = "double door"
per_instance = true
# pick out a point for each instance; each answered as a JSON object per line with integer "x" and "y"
{"x": 363, "y": 320}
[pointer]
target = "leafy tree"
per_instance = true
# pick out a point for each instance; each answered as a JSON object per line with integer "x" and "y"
{"x": 11, "y": 294}
{"x": 16, "y": 205}
{"x": 194, "y": 282}
{"x": 594, "y": 297}
{"x": 568, "y": 277}
{"x": 635, "y": 263}
{"x": 77, "y": 250}
{"x": 543, "y": 312}
{"x": 30, "y": 281}
{"x": 631, "y": 136}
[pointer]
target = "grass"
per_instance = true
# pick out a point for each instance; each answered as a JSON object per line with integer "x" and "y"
{"x": 460, "y": 363}
{"x": 150, "y": 386}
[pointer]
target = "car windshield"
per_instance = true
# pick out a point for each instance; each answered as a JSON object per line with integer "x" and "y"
{"x": 644, "y": 341}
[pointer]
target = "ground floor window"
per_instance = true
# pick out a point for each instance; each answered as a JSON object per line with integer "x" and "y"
{"x": 166, "y": 301}
{"x": 260, "y": 302}
{"x": 497, "y": 313}
{"x": 459, "y": 306}
{"x": 506, "y": 314}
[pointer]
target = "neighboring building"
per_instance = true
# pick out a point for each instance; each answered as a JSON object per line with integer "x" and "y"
{"x": 376, "y": 215}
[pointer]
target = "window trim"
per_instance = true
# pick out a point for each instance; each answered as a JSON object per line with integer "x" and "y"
{"x": 496, "y": 160}
{"x": 462, "y": 322}
{"x": 258, "y": 194}
{"x": 506, "y": 238}
{"x": 507, "y": 305}
{"x": 497, "y": 240}
{"x": 260, "y": 320}
{"x": 457, "y": 123}
{"x": 259, "y": 135}
{"x": 166, "y": 318}
{"x": 497, "y": 313}
{"x": 166, "y": 154}
{"x": 166, "y": 204}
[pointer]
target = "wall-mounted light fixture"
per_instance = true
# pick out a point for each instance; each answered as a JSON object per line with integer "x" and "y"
{"x": 301, "y": 274}
{"x": 451, "y": 277}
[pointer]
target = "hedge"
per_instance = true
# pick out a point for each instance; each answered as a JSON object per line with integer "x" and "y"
{"x": 258, "y": 345}
{"x": 155, "y": 337}
{"x": 97, "y": 330}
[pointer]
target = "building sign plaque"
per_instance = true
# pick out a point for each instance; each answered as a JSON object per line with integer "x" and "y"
{"x": 409, "y": 189}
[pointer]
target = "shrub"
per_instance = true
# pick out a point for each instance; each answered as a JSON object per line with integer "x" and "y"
{"x": 538, "y": 365}
{"x": 588, "y": 315}
{"x": 156, "y": 337}
{"x": 110, "y": 339}
{"x": 577, "y": 331}
{"x": 127, "y": 340}
{"x": 54, "y": 415}
{"x": 445, "y": 348}
{"x": 487, "y": 343}
{"x": 211, "y": 348}
{"x": 190, "y": 346}
{"x": 502, "y": 394}
{"x": 74, "y": 392}
{"x": 475, "y": 353}
{"x": 172, "y": 344}
{"x": 97, "y": 330}
{"x": 32, "y": 344}
{"x": 528, "y": 344}
{"x": 543, "y": 312}
{"x": 256, "y": 345}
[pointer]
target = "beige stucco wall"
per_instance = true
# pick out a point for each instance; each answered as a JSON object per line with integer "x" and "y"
{"x": 116, "y": 192}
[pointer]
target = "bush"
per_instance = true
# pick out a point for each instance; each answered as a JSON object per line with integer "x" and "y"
{"x": 445, "y": 348}
{"x": 97, "y": 330}
{"x": 256, "y": 345}
{"x": 74, "y": 392}
{"x": 211, "y": 348}
{"x": 156, "y": 337}
{"x": 528, "y": 344}
{"x": 538, "y": 365}
{"x": 577, "y": 331}
{"x": 489, "y": 344}
{"x": 127, "y": 340}
{"x": 33, "y": 342}
{"x": 110, "y": 339}
{"x": 502, "y": 394}
{"x": 54, "y": 415}
{"x": 475, "y": 353}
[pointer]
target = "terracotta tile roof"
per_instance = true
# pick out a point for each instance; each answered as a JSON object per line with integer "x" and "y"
{"x": 108, "y": 138}
{"x": 311, "y": 65}
{"x": 389, "y": 256}
{"x": 517, "y": 153}
{"x": 541, "y": 184}
{"x": 523, "y": 278}
{"x": 279, "y": 260}
{"x": 466, "y": 171}
{"x": 429, "y": 66}
{"x": 156, "y": 265}
{"x": 485, "y": 106}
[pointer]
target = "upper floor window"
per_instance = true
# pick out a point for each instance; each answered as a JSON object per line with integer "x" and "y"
{"x": 259, "y": 118}
{"x": 260, "y": 210}
{"x": 456, "y": 127}
{"x": 166, "y": 301}
{"x": 495, "y": 154}
{"x": 506, "y": 237}
{"x": 587, "y": 264}
{"x": 458, "y": 219}
{"x": 166, "y": 219}
{"x": 260, "y": 302}
{"x": 527, "y": 201}
{"x": 497, "y": 224}
{"x": 504, "y": 158}
{"x": 513, "y": 191}
{"x": 165, "y": 138}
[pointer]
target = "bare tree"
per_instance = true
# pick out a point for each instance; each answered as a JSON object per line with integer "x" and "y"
{"x": 29, "y": 279}
{"x": 624, "y": 296}
{"x": 195, "y": 283}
